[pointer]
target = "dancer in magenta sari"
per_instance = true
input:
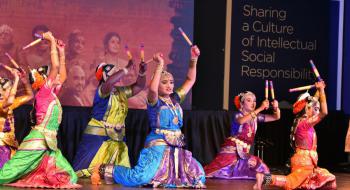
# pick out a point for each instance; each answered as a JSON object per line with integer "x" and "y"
{"x": 234, "y": 160}
{"x": 38, "y": 162}
{"x": 305, "y": 172}
{"x": 9, "y": 102}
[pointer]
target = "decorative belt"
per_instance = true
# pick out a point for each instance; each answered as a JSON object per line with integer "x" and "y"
{"x": 176, "y": 133}
{"x": 156, "y": 142}
{"x": 49, "y": 135}
{"x": 33, "y": 144}
{"x": 312, "y": 153}
{"x": 115, "y": 133}
{"x": 113, "y": 126}
{"x": 172, "y": 138}
{"x": 240, "y": 142}
{"x": 48, "y": 132}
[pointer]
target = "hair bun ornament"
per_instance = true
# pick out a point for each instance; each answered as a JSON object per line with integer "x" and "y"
{"x": 99, "y": 71}
{"x": 99, "y": 74}
{"x": 237, "y": 102}
{"x": 299, "y": 105}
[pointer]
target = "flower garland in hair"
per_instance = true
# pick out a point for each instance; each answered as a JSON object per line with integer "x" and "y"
{"x": 39, "y": 81}
{"x": 99, "y": 74}
{"x": 237, "y": 102}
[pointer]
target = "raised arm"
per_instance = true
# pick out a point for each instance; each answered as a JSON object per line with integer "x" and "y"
{"x": 107, "y": 87}
{"x": 54, "y": 55}
{"x": 152, "y": 96}
{"x": 8, "y": 101}
{"x": 141, "y": 79}
{"x": 62, "y": 60}
{"x": 320, "y": 86}
{"x": 28, "y": 92}
{"x": 192, "y": 70}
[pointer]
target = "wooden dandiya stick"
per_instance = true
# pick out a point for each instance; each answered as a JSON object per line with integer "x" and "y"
{"x": 5, "y": 66}
{"x": 12, "y": 60}
{"x": 185, "y": 36}
{"x": 272, "y": 90}
{"x": 314, "y": 69}
{"x": 266, "y": 89}
{"x": 128, "y": 52}
{"x": 142, "y": 52}
{"x": 301, "y": 88}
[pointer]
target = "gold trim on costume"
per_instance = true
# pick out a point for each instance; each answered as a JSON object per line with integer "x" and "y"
{"x": 33, "y": 144}
{"x": 94, "y": 130}
{"x": 157, "y": 142}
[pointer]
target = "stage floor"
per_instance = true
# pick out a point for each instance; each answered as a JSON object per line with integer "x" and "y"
{"x": 343, "y": 182}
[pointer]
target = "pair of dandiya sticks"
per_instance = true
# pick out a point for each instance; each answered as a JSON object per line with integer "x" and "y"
{"x": 142, "y": 52}
{"x": 267, "y": 90}
{"x": 12, "y": 61}
{"x": 317, "y": 74}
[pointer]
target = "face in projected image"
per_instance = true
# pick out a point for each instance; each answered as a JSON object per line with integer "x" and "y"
{"x": 6, "y": 35}
{"x": 76, "y": 43}
{"x": 112, "y": 43}
{"x": 44, "y": 44}
{"x": 76, "y": 79}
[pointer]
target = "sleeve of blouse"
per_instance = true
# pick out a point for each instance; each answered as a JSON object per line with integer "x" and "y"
{"x": 261, "y": 118}
{"x": 181, "y": 95}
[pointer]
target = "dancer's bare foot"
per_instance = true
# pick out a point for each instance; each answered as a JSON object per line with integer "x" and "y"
{"x": 95, "y": 177}
{"x": 259, "y": 181}
{"x": 200, "y": 185}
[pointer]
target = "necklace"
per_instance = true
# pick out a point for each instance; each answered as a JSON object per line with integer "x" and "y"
{"x": 172, "y": 108}
{"x": 251, "y": 124}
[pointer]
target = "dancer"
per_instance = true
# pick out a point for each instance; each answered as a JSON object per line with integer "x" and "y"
{"x": 305, "y": 172}
{"x": 234, "y": 160}
{"x": 103, "y": 138}
{"x": 38, "y": 162}
{"x": 163, "y": 162}
{"x": 9, "y": 102}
